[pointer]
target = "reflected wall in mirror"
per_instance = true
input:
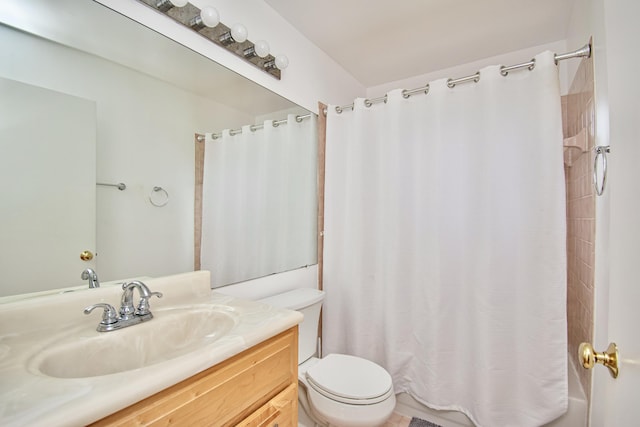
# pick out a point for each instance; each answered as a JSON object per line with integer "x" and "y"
{"x": 48, "y": 195}
{"x": 151, "y": 95}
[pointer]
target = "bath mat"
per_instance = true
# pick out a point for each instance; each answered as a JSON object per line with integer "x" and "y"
{"x": 417, "y": 422}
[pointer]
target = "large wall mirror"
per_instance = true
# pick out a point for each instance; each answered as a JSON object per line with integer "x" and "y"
{"x": 132, "y": 102}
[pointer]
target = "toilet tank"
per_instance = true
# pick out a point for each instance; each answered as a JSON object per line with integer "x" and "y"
{"x": 307, "y": 301}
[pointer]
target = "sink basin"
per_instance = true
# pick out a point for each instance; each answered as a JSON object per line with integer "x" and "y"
{"x": 172, "y": 333}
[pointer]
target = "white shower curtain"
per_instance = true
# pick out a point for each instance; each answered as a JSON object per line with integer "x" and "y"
{"x": 445, "y": 244}
{"x": 258, "y": 215}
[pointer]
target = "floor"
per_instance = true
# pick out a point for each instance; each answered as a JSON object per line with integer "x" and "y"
{"x": 397, "y": 420}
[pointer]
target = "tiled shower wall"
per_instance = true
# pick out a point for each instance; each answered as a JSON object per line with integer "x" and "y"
{"x": 578, "y": 114}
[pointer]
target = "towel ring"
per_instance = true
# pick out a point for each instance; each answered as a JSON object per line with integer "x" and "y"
{"x": 161, "y": 200}
{"x": 601, "y": 151}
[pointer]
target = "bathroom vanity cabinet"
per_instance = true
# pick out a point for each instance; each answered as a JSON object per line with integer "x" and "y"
{"x": 258, "y": 387}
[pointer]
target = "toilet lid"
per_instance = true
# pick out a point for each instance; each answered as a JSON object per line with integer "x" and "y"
{"x": 349, "y": 378}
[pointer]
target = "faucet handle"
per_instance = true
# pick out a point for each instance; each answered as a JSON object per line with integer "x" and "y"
{"x": 143, "y": 305}
{"x": 109, "y": 316}
{"x": 86, "y": 274}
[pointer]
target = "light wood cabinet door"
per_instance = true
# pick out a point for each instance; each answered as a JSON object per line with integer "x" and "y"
{"x": 281, "y": 411}
{"x": 228, "y": 393}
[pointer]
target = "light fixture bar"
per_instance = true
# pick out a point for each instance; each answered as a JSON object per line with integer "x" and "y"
{"x": 220, "y": 34}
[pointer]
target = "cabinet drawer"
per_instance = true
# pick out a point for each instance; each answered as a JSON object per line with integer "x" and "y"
{"x": 224, "y": 394}
{"x": 281, "y": 411}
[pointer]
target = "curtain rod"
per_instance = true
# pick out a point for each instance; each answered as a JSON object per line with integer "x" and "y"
{"x": 275, "y": 124}
{"x": 584, "y": 51}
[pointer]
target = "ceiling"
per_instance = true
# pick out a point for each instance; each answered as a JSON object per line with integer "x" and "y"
{"x": 380, "y": 41}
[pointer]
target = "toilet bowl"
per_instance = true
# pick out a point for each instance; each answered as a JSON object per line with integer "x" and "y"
{"x": 347, "y": 391}
{"x": 337, "y": 390}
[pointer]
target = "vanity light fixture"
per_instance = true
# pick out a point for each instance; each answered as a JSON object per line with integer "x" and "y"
{"x": 206, "y": 22}
{"x": 165, "y": 5}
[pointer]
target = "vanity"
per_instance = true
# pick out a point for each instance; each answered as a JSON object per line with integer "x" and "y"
{"x": 204, "y": 359}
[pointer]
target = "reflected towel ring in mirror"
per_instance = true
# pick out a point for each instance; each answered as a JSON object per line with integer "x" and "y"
{"x": 159, "y": 197}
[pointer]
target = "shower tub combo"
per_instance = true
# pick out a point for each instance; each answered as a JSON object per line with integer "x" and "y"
{"x": 576, "y": 415}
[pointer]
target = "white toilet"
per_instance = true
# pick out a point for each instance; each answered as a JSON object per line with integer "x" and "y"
{"x": 337, "y": 390}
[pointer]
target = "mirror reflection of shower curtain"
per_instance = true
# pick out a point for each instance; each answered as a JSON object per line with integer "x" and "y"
{"x": 445, "y": 244}
{"x": 258, "y": 214}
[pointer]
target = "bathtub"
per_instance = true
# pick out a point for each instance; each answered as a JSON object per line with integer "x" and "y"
{"x": 576, "y": 415}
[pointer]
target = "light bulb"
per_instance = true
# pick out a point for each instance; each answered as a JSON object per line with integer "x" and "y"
{"x": 179, "y": 3}
{"x": 210, "y": 16}
{"x": 282, "y": 62}
{"x": 239, "y": 33}
{"x": 261, "y": 48}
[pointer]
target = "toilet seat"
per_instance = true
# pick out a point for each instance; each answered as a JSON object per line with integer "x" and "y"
{"x": 349, "y": 379}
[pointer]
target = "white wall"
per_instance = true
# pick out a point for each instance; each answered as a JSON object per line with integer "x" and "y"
{"x": 145, "y": 131}
{"x": 623, "y": 64}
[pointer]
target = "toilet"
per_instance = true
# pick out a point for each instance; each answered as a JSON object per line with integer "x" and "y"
{"x": 337, "y": 390}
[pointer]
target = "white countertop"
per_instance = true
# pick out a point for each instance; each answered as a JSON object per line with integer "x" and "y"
{"x": 30, "y": 326}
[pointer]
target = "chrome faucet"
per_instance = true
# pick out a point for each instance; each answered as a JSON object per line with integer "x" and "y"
{"x": 92, "y": 277}
{"x": 126, "y": 304}
{"x": 127, "y": 315}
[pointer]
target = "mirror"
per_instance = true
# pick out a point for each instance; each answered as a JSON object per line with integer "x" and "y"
{"x": 151, "y": 97}
{"x": 49, "y": 203}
